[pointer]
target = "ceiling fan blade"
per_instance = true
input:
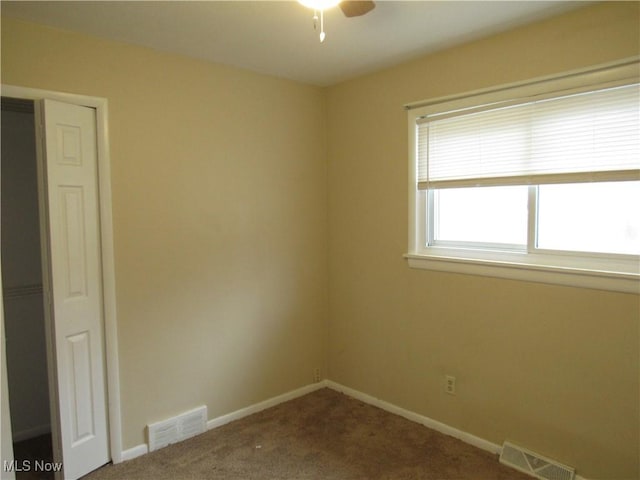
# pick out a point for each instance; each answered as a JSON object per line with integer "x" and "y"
{"x": 355, "y": 8}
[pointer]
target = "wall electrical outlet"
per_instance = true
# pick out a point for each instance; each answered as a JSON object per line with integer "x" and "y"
{"x": 450, "y": 384}
{"x": 316, "y": 375}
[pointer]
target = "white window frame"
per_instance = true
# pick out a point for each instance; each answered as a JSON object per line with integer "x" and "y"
{"x": 605, "y": 272}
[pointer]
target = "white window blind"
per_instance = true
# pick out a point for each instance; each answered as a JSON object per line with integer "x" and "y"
{"x": 592, "y": 136}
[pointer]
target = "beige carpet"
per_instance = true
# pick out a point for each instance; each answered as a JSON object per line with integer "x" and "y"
{"x": 324, "y": 435}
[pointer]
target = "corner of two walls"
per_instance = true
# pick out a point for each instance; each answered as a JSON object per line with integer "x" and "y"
{"x": 225, "y": 195}
{"x": 219, "y": 191}
{"x": 535, "y": 364}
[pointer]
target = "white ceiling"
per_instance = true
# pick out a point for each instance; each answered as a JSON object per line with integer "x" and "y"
{"x": 277, "y": 37}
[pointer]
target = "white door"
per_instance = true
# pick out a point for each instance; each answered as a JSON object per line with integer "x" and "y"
{"x": 72, "y": 284}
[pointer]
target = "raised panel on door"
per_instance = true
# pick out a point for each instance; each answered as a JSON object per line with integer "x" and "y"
{"x": 75, "y": 287}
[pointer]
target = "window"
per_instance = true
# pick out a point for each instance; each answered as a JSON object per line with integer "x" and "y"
{"x": 539, "y": 181}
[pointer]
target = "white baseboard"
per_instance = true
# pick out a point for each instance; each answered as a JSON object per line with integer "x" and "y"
{"x": 27, "y": 433}
{"x": 421, "y": 419}
{"x": 143, "y": 448}
{"x": 272, "y": 402}
{"x": 134, "y": 452}
{"x": 415, "y": 417}
{"x": 478, "y": 442}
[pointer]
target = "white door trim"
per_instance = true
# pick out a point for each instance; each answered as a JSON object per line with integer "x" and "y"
{"x": 6, "y": 440}
{"x": 106, "y": 237}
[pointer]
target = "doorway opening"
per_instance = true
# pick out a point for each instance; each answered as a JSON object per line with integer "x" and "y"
{"x": 22, "y": 286}
{"x": 48, "y": 106}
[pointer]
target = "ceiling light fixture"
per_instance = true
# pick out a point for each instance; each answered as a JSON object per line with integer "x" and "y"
{"x": 319, "y": 6}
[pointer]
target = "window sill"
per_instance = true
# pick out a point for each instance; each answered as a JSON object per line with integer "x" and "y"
{"x": 539, "y": 273}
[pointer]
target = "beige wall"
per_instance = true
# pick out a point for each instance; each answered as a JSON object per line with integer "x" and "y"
{"x": 221, "y": 265}
{"x": 552, "y": 368}
{"x": 220, "y": 216}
